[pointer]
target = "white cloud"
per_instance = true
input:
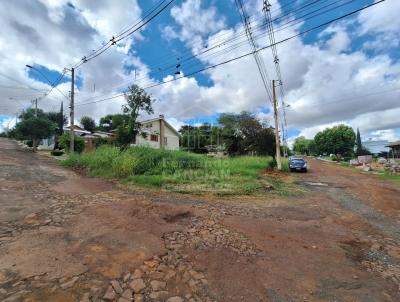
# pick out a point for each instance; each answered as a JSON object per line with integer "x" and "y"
{"x": 325, "y": 82}
{"x": 196, "y": 21}
{"x": 56, "y": 34}
{"x": 382, "y": 18}
{"x": 389, "y": 135}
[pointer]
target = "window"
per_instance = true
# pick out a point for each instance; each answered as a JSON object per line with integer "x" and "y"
{"x": 165, "y": 141}
{"x": 154, "y": 138}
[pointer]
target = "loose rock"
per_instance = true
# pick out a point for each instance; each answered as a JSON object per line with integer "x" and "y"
{"x": 117, "y": 287}
{"x": 158, "y": 285}
{"x": 137, "y": 285}
{"x": 110, "y": 294}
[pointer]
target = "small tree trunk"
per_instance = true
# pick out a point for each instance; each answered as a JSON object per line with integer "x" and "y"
{"x": 34, "y": 145}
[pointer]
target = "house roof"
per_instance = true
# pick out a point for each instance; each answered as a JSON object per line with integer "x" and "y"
{"x": 76, "y": 129}
{"x": 397, "y": 143}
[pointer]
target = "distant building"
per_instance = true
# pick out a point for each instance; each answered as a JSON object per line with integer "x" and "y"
{"x": 158, "y": 133}
{"x": 395, "y": 149}
{"x": 376, "y": 147}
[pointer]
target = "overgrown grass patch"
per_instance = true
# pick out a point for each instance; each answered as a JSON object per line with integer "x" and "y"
{"x": 394, "y": 178}
{"x": 179, "y": 171}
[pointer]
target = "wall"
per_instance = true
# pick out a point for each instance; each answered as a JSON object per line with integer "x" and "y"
{"x": 154, "y": 128}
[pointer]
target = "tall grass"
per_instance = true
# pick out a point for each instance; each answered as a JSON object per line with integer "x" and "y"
{"x": 176, "y": 170}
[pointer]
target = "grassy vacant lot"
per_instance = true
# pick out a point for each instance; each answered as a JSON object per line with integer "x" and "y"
{"x": 183, "y": 172}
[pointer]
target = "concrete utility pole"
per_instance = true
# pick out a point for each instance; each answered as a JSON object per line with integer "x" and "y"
{"x": 277, "y": 139}
{"x": 71, "y": 113}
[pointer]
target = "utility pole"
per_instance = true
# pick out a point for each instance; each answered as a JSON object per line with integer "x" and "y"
{"x": 71, "y": 113}
{"x": 277, "y": 139}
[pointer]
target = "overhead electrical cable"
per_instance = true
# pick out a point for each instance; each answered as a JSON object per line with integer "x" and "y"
{"x": 201, "y": 54}
{"x": 131, "y": 31}
{"x": 249, "y": 53}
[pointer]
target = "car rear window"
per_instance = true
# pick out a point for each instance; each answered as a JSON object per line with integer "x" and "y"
{"x": 298, "y": 161}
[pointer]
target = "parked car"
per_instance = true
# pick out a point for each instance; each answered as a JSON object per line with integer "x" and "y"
{"x": 297, "y": 164}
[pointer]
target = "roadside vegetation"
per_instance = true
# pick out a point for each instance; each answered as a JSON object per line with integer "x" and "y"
{"x": 183, "y": 171}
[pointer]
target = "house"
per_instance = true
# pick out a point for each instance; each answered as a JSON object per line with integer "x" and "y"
{"x": 158, "y": 133}
{"x": 48, "y": 143}
{"x": 395, "y": 149}
{"x": 78, "y": 131}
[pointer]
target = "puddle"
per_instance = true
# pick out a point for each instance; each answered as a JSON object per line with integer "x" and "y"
{"x": 316, "y": 184}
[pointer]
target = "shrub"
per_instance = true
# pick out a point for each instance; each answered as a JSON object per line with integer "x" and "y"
{"x": 334, "y": 157}
{"x": 57, "y": 152}
{"x": 79, "y": 143}
{"x": 29, "y": 144}
{"x": 176, "y": 170}
{"x": 103, "y": 141}
{"x": 124, "y": 165}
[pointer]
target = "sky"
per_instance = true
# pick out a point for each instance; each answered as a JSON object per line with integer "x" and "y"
{"x": 347, "y": 72}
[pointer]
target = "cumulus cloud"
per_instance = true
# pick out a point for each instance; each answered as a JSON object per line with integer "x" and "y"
{"x": 326, "y": 82}
{"x": 57, "y": 34}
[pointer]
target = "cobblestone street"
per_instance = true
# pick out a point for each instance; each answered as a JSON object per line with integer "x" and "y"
{"x": 66, "y": 237}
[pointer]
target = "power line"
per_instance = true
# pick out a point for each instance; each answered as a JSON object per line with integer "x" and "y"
{"x": 275, "y": 57}
{"x": 131, "y": 31}
{"x": 259, "y": 61}
{"x": 94, "y": 52}
{"x": 207, "y": 48}
{"x": 245, "y": 55}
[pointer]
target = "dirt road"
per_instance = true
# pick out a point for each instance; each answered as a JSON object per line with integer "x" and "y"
{"x": 64, "y": 237}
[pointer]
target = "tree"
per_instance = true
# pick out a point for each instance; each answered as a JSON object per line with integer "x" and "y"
{"x": 60, "y": 120}
{"x": 88, "y": 123}
{"x": 35, "y": 129}
{"x": 79, "y": 143}
{"x": 360, "y": 150}
{"x": 199, "y": 139}
{"x": 243, "y": 133}
{"x": 112, "y": 121}
{"x": 338, "y": 140}
{"x": 137, "y": 101}
{"x": 304, "y": 146}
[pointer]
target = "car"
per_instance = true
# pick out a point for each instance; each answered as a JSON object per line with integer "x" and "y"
{"x": 297, "y": 164}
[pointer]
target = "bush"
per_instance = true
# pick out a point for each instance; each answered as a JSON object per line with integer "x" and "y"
{"x": 176, "y": 170}
{"x": 57, "y": 153}
{"x": 79, "y": 143}
{"x": 29, "y": 144}
{"x": 334, "y": 157}
{"x": 103, "y": 141}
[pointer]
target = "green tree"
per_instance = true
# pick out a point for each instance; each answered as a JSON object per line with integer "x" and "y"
{"x": 88, "y": 123}
{"x": 360, "y": 150}
{"x": 338, "y": 140}
{"x": 113, "y": 121}
{"x": 304, "y": 146}
{"x": 199, "y": 139}
{"x": 137, "y": 101}
{"x": 79, "y": 143}
{"x": 60, "y": 120}
{"x": 35, "y": 128}
{"x": 243, "y": 133}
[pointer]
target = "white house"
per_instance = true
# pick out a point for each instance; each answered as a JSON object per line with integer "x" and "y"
{"x": 159, "y": 134}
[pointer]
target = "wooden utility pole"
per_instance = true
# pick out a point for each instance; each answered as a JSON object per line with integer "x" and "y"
{"x": 71, "y": 113}
{"x": 277, "y": 139}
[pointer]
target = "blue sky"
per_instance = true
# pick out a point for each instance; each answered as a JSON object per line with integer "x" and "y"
{"x": 318, "y": 68}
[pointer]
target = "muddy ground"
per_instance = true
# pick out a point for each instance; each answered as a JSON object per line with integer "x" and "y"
{"x": 65, "y": 237}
